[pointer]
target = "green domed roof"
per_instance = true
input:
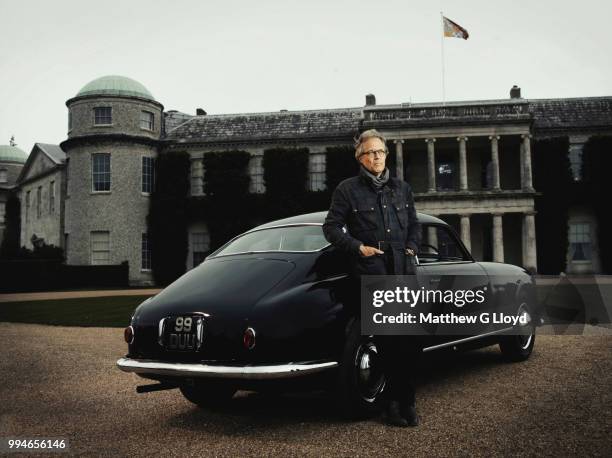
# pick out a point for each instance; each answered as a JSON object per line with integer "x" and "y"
{"x": 12, "y": 154}
{"x": 115, "y": 85}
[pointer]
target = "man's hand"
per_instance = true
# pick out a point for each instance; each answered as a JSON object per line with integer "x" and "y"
{"x": 369, "y": 251}
{"x": 409, "y": 251}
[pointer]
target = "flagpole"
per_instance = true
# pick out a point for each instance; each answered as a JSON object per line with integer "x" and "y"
{"x": 442, "y": 48}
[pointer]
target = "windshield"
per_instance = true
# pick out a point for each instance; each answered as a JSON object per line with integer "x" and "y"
{"x": 289, "y": 238}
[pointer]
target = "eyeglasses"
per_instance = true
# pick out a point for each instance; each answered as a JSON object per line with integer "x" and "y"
{"x": 375, "y": 152}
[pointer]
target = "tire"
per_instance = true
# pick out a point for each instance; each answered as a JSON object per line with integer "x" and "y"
{"x": 208, "y": 393}
{"x": 360, "y": 380}
{"x": 519, "y": 347}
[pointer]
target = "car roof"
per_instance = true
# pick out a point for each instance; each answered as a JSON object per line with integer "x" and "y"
{"x": 319, "y": 218}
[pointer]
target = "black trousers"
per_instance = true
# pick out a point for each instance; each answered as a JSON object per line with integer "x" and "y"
{"x": 399, "y": 354}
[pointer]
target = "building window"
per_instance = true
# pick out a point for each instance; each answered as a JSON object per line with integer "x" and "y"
{"x": 52, "y": 197}
{"x": 145, "y": 251}
{"x": 101, "y": 173}
{"x": 445, "y": 180}
{"x": 103, "y": 116}
{"x": 148, "y": 174}
{"x": 580, "y": 241}
{"x": 256, "y": 173}
{"x": 100, "y": 247}
{"x": 316, "y": 176}
{"x": 575, "y": 157}
{"x": 197, "y": 177}
{"x": 3, "y": 175}
{"x": 27, "y": 205}
{"x": 2, "y": 212}
{"x": 69, "y": 120}
{"x": 38, "y": 201}
{"x": 200, "y": 244}
{"x": 146, "y": 120}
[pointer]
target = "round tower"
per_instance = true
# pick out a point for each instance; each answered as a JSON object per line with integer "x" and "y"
{"x": 114, "y": 126}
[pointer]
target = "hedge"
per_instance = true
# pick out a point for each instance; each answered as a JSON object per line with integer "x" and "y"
{"x": 553, "y": 178}
{"x": 26, "y": 275}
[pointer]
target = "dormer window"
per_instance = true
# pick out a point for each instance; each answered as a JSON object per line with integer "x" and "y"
{"x": 103, "y": 116}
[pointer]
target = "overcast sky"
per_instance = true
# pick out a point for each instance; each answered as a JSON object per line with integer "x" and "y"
{"x": 236, "y": 56}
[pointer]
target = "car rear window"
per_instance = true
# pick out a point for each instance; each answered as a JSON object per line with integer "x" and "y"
{"x": 291, "y": 238}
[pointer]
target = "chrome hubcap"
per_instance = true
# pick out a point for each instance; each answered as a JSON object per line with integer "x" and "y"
{"x": 369, "y": 374}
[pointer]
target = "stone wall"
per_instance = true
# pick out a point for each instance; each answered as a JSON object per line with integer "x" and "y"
{"x": 122, "y": 211}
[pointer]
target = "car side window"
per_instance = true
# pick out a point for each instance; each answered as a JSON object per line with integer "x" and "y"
{"x": 439, "y": 244}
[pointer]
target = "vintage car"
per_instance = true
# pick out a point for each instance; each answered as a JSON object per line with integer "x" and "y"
{"x": 275, "y": 308}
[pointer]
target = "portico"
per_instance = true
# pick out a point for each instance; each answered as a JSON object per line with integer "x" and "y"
{"x": 476, "y": 175}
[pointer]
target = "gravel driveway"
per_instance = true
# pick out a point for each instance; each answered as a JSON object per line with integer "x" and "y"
{"x": 58, "y": 381}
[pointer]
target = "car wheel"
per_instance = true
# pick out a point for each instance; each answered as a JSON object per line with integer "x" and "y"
{"x": 361, "y": 380}
{"x": 518, "y": 347}
{"x": 210, "y": 393}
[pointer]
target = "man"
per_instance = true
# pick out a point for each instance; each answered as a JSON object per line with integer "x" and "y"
{"x": 373, "y": 218}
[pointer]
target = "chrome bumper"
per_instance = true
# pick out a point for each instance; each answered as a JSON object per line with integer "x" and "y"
{"x": 251, "y": 372}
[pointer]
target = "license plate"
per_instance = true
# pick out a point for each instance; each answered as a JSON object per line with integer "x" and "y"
{"x": 181, "y": 333}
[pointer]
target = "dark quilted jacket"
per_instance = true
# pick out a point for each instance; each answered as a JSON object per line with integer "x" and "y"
{"x": 361, "y": 214}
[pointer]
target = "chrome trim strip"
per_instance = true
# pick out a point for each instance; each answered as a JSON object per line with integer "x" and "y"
{"x": 466, "y": 339}
{"x": 276, "y": 371}
{"x": 214, "y": 255}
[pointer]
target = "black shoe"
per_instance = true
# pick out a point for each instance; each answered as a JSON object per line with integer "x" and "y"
{"x": 409, "y": 414}
{"x": 394, "y": 417}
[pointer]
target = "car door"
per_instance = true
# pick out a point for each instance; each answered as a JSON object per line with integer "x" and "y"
{"x": 443, "y": 258}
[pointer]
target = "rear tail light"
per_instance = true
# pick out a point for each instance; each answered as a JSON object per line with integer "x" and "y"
{"x": 128, "y": 334}
{"x": 248, "y": 338}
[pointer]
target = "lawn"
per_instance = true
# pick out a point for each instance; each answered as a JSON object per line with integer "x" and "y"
{"x": 90, "y": 311}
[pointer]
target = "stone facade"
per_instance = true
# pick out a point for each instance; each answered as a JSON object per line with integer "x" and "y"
{"x": 121, "y": 211}
{"x": 468, "y": 163}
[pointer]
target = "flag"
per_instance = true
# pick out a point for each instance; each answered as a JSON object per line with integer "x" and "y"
{"x": 452, "y": 29}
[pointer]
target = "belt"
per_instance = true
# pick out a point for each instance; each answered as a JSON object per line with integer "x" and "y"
{"x": 388, "y": 246}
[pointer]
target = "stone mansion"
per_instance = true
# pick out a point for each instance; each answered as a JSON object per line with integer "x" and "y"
{"x": 469, "y": 163}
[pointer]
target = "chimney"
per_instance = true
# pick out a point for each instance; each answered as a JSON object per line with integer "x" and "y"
{"x": 370, "y": 99}
{"x": 200, "y": 112}
{"x": 515, "y": 92}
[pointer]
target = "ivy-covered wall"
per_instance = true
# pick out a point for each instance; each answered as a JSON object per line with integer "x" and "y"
{"x": 340, "y": 165}
{"x": 597, "y": 164}
{"x": 285, "y": 178}
{"x": 167, "y": 220}
{"x": 227, "y": 207}
{"x": 553, "y": 178}
{"x": 12, "y": 228}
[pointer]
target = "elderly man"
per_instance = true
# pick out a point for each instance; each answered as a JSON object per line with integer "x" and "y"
{"x": 372, "y": 217}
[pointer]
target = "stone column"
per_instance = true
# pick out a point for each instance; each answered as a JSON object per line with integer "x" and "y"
{"x": 495, "y": 161}
{"x": 463, "y": 178}
{"x": 399, "y": 159}
{"x": 465, "y": 232}
{"x": 431, "y": 165}
{"x": 530, "y": 260}
{"x": 526, "y": 150}
{"x": 498, "y": 238}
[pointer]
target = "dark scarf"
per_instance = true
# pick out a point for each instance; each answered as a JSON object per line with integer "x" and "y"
{"x": 377, "y": 182}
